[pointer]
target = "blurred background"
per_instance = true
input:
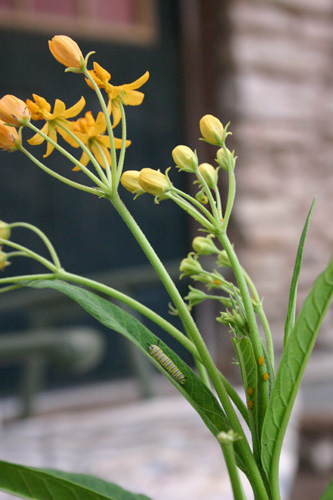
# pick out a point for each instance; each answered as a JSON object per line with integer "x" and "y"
{"x": 265, "y": 67}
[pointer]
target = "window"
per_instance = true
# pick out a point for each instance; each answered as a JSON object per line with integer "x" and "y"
{"x": 128, "y": 21}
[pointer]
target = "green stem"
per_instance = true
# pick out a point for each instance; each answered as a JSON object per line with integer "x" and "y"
{"x": 27, "y": 277}
{"x": 134, "y": 304}
{"x": 191, "y": 328}
{"x": 111, "y": 173}
{"x": 123, "y": 144}
{"x": 88, "y": 153}
{"x": 61, "y": 178}
{"x": 43, "y": 237}
{"x": 231, "y": 195}
{"x": 196, "y": 203}
{"x": 70, "y": 157}
{"x": 188, "y": 208}
{"x": 229, "y": 456}
{"x": 250, "y": 315}
{"x": 29, "y": 253}
{"x": 261, "y": 313}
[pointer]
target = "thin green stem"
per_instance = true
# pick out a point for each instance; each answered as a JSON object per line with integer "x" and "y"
{"x": 188, "y": 208}
{"x": 230, "y": 460}
{"x": 196, "y": 203}
{"x": 123, "y": 144}
{"x": 195, "y": 336}
{"x": 27, "y": 277}
{"x": 111, "y": 172}
{"x": 231, "y": 195}
{"x": 261, "y": 313}
{"x": 43, "y": 237}
{"x": 88, "y": 153}
{"x": 134, "y": 304}
{"x": 250, "y": 315}
{"x": 69, "y": 156}
{"x": 209, "y": 195}
{"x": 29, "y": 253}
{"x": 61, "y": 178}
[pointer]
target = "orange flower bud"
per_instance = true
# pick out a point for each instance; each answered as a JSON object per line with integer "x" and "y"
{"x": 211, "y": 129}
{"x": 66, "y": 51}
{"x": 153, "y": 181}
{"x": 13, "y": 110}
{"x": 9, "y": 137}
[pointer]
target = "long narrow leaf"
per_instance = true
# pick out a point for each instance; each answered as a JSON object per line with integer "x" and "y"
{"x": 115, "y": 318}
{"x": 41, "y": 484}
{"x": 292, "y": 365}
{"x": 290, "y": 319}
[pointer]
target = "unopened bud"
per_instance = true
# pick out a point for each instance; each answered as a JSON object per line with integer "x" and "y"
{"x": 190, "y": 266}
{"x": 4, "y": 230}
{"x": 3, "y": 260}
{"x": 224, "y": 158}
{"x": 204, "y": 245}
{"x": 9, "y": 138}
{"x": 13, "y": 110}
{"x": 66, "y": 51}
{"x": 212, "y": 129}
{"x": 153, "y": 181}
{"x": 209, "y": 173}
{"x": 130, "y": 181}
{"x": 185, "y": 158}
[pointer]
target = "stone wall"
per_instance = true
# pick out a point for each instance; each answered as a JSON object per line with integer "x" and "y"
{"x": 280, "y": 97}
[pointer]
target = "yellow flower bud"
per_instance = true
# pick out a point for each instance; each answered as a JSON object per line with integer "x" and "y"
{"x": 4, "y": 230}
{"x": 211, "y": 129}
{"x": 185, "y": 158}
{"x": 130, "y": 181}
{"x": 224, "y": 158}
{"x": 13, "y": 110}
{"x": 66, "y": 51}
{"x": 9, "y": 138}
{"x": 153, "y": 181}
{"x": 209, "y": 173}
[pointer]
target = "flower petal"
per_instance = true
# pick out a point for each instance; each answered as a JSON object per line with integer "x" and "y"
{"x": 132, "y": 97}
{"x": 137, "y": 83}
{"x": 76, "y": 109}
{"x": 38, "y": 139}
{"x": 59, "y": 108}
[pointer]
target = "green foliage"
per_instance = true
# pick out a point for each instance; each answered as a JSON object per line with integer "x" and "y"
{"x": 290, "y": 319}
{"x": 115, "y": 318}
{"x": 41, "y": 484}
{"x": 292, "y": 365}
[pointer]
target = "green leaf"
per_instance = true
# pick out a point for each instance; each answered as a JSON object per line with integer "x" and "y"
{"x": 42, "y": 484}
{"x": 328, "y": 494}
{"x": 292, "y": 365}
{"x": 115, "y": 318}
{"x": 290, "y": 319}
{"x": 249, "y": 373}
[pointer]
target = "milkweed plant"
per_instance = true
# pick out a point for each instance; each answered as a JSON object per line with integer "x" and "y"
{"x": 269, "y": 390}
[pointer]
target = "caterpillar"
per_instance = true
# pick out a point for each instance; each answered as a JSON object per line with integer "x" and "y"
{"x": 157, "y": 353}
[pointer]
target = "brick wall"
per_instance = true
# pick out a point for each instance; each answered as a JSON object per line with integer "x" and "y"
{"x": 280, "y": 95}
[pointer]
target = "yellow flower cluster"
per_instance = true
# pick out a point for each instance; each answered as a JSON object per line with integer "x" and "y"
{"x": 86, "y": 131}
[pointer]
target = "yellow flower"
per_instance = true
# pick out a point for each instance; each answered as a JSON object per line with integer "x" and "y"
{"x": 185, "y": 158}
{"x": 211, "y": 129}
{"x": 126, "y": 94}
{"x": 130, "y": 181}
{"x": 41, "y": 110}
{"x": 90, "y": 132}
{"x": 66, "y": 51}
{"x": 9, "y": 138}
{"x": 153, "y": 181}
{"x": 13, "y": 110}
